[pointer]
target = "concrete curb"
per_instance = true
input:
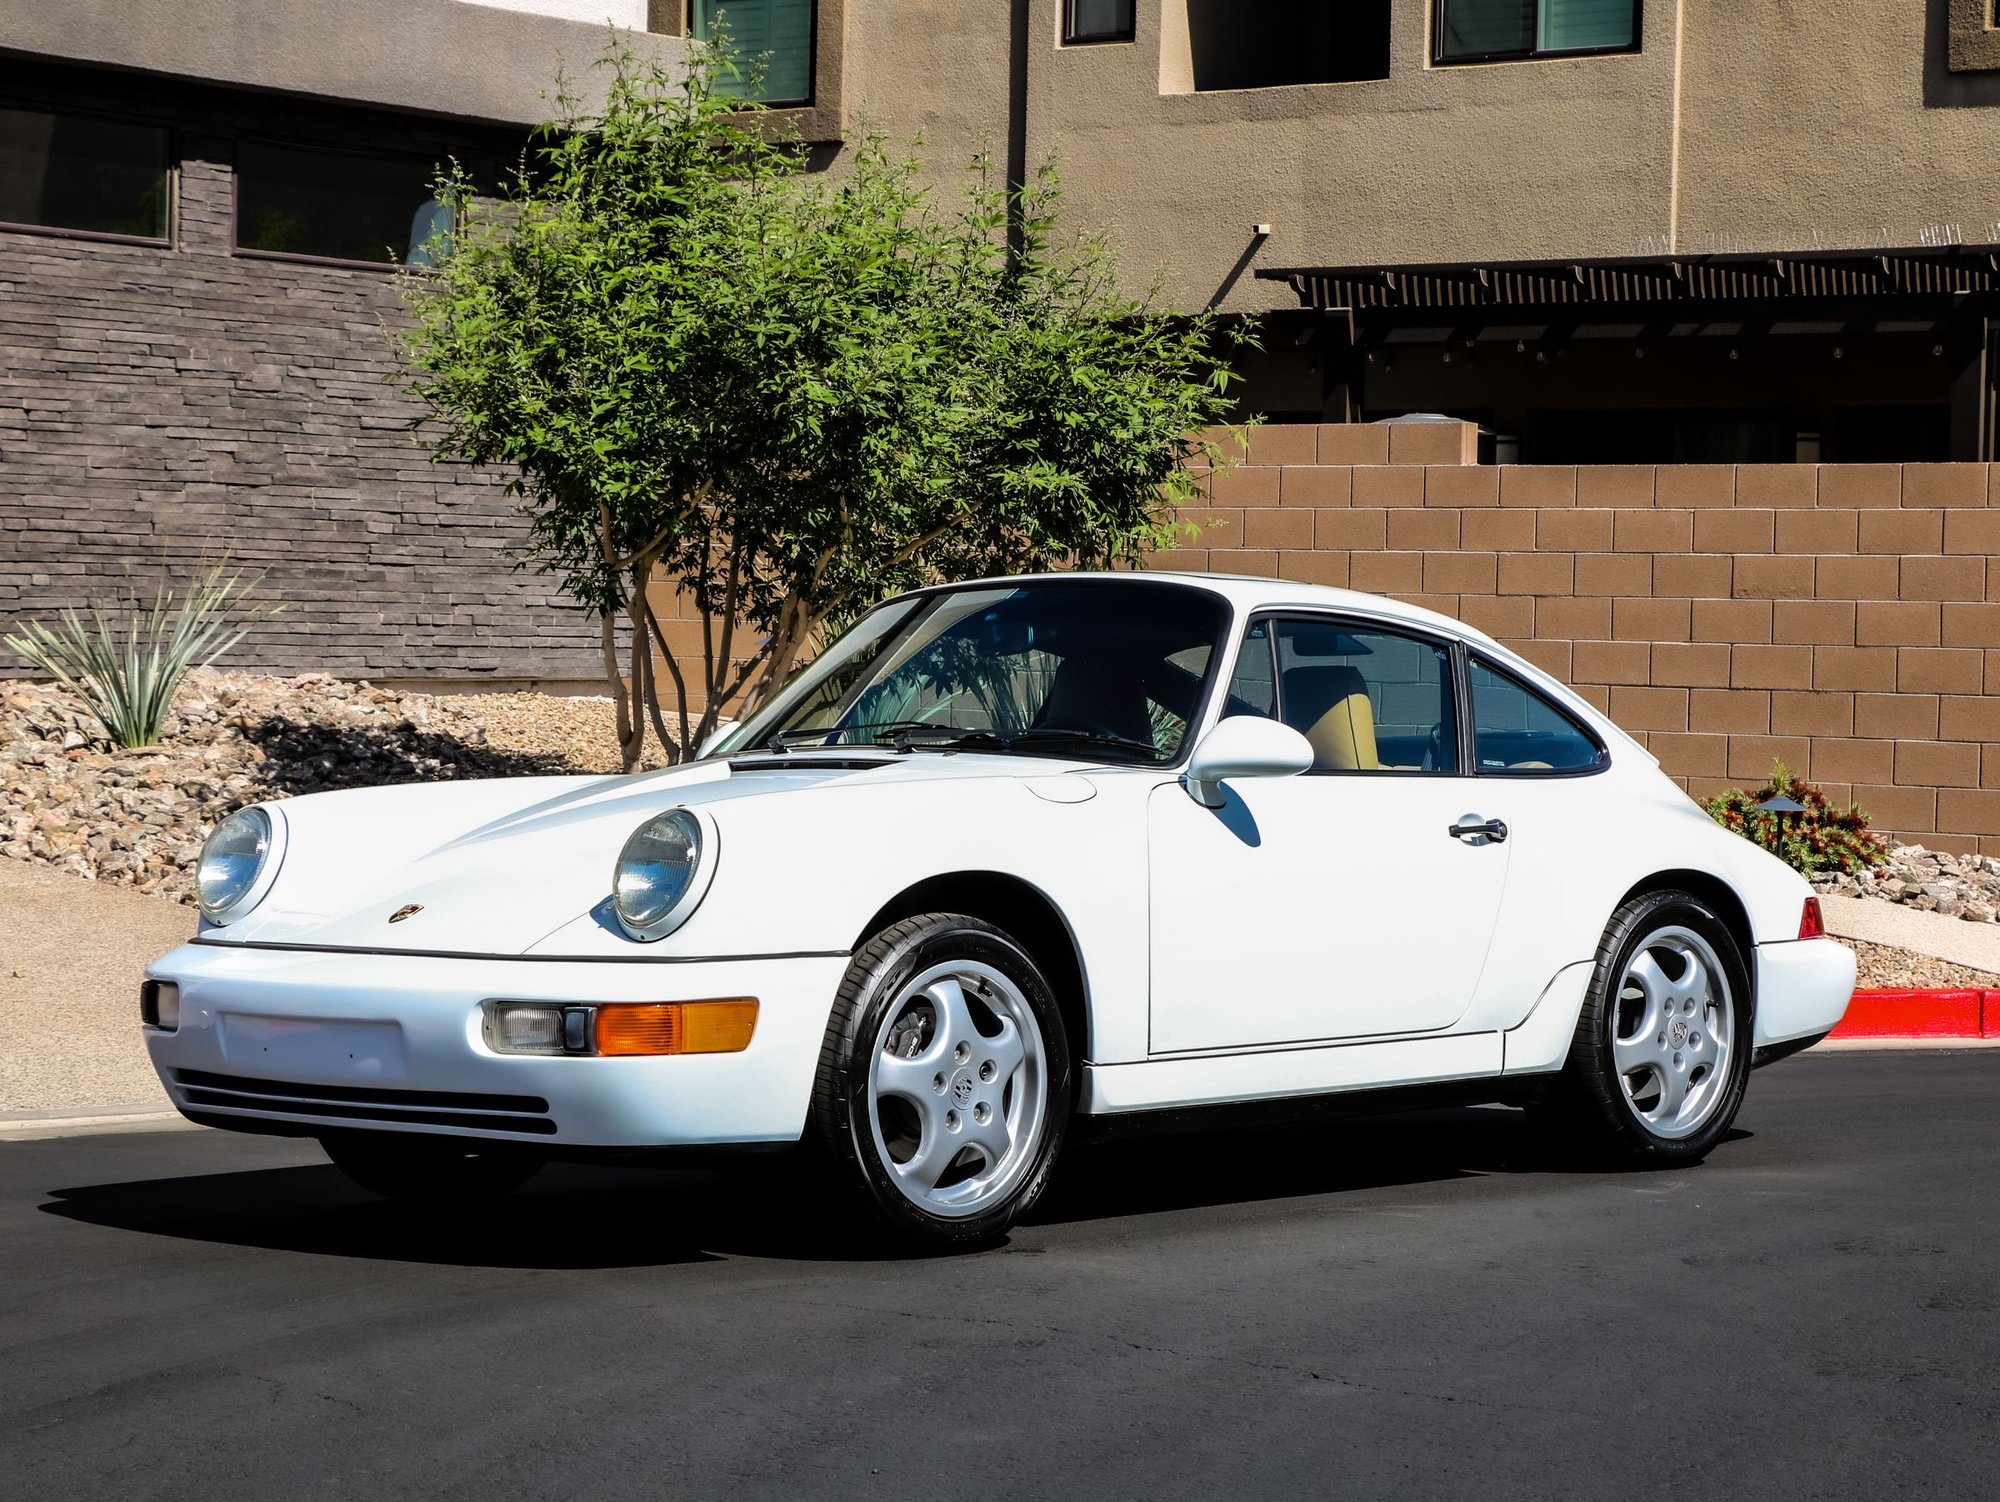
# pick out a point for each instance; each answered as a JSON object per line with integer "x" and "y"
{"x": 35, "y": 1126}
{"x": 1960, "y": 1014}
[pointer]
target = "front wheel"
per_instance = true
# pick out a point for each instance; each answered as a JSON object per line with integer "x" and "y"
{"x": 944, "y": 1083}
{"x": 412, "y": 1167}
{"x": 1662, "y": 1049}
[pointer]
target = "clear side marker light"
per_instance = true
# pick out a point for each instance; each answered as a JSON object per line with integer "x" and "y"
{"x": 160, "y": 1005}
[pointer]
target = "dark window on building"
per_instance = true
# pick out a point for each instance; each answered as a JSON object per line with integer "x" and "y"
{"x": 1485, "y": 30}
{"x": 1263, "y": 44}
{"x": 772, "y": 43}
{"x": 81, "y": 172}
{"x": 1519, "y": 731}
{"x": 1099, "y": 20}
{"x": 336, "y": 205}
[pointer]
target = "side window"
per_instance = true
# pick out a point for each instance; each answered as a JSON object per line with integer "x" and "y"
{"x": 1254, "y": 688}
{"x": 1368, "y": 700}
{"x": 1517, "y": 730}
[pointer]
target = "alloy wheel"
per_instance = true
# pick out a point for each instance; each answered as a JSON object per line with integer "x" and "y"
{"x": 958, "y": 1088}
{"x": 1673, "y": 1031}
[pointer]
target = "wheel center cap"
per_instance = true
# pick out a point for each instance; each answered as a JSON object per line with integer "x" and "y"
{"x": 961, "y": 1086}
{"x": 1679, "y": 1033}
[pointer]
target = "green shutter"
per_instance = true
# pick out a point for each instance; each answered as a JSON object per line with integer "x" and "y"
{"x": 1577, "y": 25}
{"x": 776, "y": 35}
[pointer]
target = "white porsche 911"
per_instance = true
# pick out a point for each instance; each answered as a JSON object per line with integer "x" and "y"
{"x": 1007, "y": 857}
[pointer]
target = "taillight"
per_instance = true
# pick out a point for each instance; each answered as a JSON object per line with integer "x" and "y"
{"x": 1812, "y": 922}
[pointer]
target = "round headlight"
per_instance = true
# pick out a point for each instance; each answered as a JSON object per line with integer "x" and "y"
{"x": 231, "y": 862}
{"x": 657, "y": 880}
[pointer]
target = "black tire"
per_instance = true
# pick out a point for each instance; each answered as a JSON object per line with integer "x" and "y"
{"x": 406, "y": 1166}
{"x": 843, "y": 1124}
{"x": 1592, "y": 1111}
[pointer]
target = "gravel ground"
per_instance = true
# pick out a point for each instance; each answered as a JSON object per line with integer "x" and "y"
{"x": 581, "y": 733}
{"x": 71, "y": 801}
{"x": 1882, "y": 966}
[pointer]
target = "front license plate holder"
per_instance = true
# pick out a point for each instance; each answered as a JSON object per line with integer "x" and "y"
{"x": 309, "y": 1048}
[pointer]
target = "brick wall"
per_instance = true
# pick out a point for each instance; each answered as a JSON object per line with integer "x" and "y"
{"x": 1843, "y": 617}
{"x": 159, "y": 404}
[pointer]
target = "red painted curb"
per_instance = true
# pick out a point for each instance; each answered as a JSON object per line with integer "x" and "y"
{"x": 1921, "y": 1014}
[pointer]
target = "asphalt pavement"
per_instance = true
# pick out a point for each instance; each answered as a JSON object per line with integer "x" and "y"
{"x": 1416, "y": 1307}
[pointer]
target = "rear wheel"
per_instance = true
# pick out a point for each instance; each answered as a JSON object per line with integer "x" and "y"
{"x": 411, "y": 1167}
{"x": 1661, "y": 1056}
{"x": 944, "y": 1082}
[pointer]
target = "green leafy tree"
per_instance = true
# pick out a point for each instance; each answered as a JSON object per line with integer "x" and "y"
{"x": 788, "y": 392}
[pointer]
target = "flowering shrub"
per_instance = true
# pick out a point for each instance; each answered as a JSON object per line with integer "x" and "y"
{"x": 1823, "y": 838}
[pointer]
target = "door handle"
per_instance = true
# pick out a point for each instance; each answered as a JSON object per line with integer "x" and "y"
{"x": 1470, "y": 827}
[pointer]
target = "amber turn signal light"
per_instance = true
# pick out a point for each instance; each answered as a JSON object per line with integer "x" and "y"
{"x": 674, "y": 1027}
{"x": 1812, "y": 923}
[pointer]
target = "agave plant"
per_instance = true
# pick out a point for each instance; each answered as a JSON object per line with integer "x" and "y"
{"x": 127, "y": 677}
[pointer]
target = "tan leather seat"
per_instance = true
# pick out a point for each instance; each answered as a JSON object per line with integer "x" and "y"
{"x": 1331, "y": 705}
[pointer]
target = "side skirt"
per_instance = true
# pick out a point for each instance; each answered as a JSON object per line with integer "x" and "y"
{"x": 1514, "y": 1090}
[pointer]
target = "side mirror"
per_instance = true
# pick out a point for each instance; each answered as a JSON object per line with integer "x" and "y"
{"x": 1244, "y": 746}
{"x": 715, "y": 738}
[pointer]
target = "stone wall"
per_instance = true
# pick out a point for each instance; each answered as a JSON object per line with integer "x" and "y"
{"x": 162, "y": 404}
{"x": 1844, "y": 618}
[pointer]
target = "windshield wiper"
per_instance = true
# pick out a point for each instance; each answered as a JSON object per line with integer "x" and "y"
{"x": 784, "y": 740}
{"x": 944, "y": 738}
{"x": 1049, "y": 735}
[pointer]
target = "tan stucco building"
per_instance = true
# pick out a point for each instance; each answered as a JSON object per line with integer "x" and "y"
{"x": 1533, "y": 213}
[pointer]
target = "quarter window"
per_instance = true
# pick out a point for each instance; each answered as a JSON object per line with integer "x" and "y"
{"x": 1253, "y": 688}
{"x": 336, "y": 205}
{"x": 81, "y": 172}
{"x": 1368, "y": 700}
{"x": 1099, "y": 20}
{"x": 772, "y": 42}
{"x": 1489, "y": 30}
{"x": 1516, "y": 730}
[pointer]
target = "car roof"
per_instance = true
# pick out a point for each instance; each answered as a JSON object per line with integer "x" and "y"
{"x": 1249, "y": 593}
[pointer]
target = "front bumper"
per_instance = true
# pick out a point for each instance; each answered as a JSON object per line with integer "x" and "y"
{"x": 310, "y": 1041}
{"x": 1803, "y": 988}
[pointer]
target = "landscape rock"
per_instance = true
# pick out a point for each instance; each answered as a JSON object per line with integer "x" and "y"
{"x": 1958, "y": 886}
{"x": 71, "y": 800}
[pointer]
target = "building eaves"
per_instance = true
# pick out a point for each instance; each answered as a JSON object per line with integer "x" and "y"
{"x": 434, "y": 57}
{"x": 1777, "y": 276}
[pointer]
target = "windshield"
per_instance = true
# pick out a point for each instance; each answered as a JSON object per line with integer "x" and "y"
{"x": 1110, "y": 670}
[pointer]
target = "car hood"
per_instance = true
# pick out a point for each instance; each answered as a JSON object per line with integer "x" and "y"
{"x": 496, "y": 867}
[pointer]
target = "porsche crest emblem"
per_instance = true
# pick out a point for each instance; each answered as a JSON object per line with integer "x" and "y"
{"x": 407, "y": 910}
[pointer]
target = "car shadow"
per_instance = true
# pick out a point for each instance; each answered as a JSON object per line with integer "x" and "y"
{"x": 577, "y": 1217}
{"x": 1342, "y": 1155}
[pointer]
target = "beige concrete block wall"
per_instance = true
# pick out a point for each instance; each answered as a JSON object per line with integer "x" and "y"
{"x": 1845, "y": 618}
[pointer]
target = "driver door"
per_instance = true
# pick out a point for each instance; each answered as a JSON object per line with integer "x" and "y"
{"x": 1336, "y": 904}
